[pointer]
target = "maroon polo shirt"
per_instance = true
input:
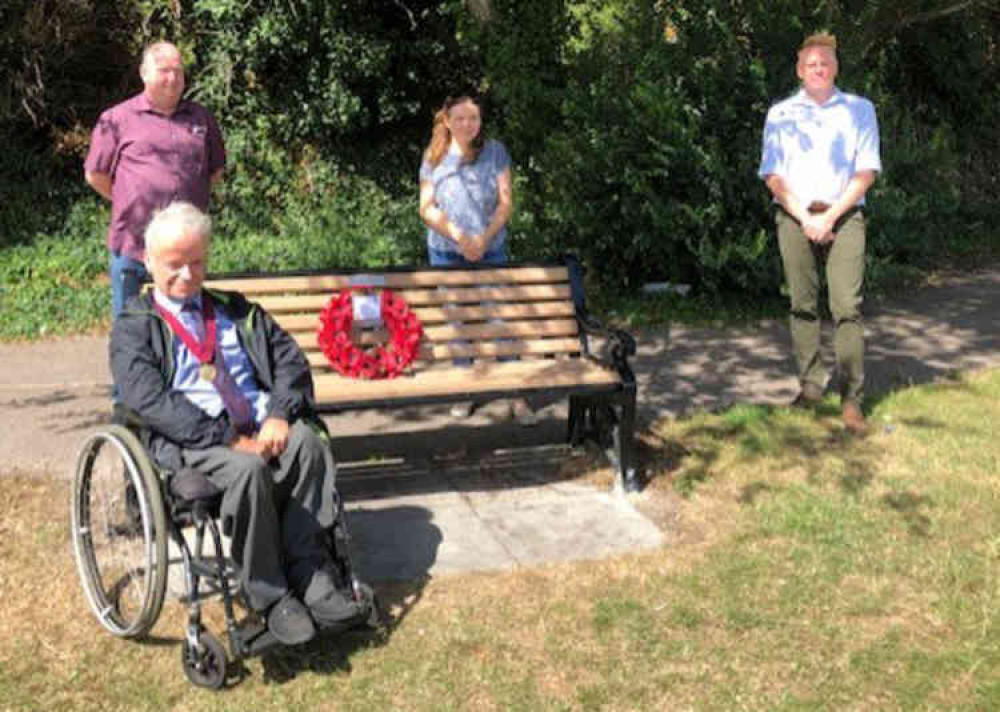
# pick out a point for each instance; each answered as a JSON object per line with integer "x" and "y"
{"x": 153, "y": 160}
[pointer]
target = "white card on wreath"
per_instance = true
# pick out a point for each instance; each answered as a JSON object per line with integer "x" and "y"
{"x": 367, "y": 310}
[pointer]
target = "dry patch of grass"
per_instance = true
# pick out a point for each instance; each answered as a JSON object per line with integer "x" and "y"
{"x": 805, "y": 570}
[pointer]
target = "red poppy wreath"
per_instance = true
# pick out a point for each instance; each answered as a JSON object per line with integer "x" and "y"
{"x": 381, "y": 361}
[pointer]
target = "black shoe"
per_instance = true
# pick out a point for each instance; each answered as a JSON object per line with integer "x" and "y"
{"x": 337, "y": 610}
{"x": 809, "y": 397}
{"x": 289, "y": 621}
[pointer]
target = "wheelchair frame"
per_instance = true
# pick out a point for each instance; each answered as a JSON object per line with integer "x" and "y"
{"x": 122, "y": 507}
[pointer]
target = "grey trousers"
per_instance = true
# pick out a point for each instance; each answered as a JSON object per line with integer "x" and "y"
{"x": 844, "y": 262}
{"x": 275, "y": 512}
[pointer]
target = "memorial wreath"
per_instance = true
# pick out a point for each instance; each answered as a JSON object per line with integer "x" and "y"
{"x": 335, "y": 336}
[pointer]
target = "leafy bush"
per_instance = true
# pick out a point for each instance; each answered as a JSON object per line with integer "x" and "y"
{"x": 649, "y": 169}
{"x": 650, "y": 174}
{"x": 321, "y": 217}
{"x": 634, "y": 127}
{"x": 59, "y": 282}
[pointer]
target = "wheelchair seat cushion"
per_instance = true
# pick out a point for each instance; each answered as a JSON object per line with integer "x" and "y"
{"x": 190, "y": 485}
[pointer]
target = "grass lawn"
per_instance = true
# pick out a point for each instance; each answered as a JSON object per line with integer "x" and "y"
{"x": 804, "y": 570}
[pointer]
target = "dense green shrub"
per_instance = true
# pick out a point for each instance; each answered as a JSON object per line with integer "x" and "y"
{"x": 60, "y": 281}
{"x": 649, "y": 170}
{"x": 321, "y": 217}
{"x": 634, "y": 127}
{"x": 649, "y": 173}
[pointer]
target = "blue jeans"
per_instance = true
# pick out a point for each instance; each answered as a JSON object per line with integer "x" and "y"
{"x": 127, "y": 276}
{"x": 447, "y": 258}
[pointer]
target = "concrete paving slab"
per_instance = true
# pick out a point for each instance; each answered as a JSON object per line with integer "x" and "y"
{"x": 571, "y": 523}
{"x": 414, "y": 536}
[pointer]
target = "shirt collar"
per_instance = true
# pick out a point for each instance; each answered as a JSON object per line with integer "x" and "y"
{"x": 174, "y": 306}
{"x": 800, "y": 97}
{"x": 143, "y": 104}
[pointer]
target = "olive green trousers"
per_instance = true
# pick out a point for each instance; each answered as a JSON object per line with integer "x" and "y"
{"x": 844, "y": 264}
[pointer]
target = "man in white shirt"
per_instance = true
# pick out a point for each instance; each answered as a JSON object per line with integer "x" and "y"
{"x": 820, "y": 156}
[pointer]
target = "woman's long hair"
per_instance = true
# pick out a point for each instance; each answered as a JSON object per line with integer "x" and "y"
{"x": 441, "y": 135}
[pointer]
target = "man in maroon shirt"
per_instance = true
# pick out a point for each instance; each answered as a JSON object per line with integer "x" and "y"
{"x": 146, "y": 153}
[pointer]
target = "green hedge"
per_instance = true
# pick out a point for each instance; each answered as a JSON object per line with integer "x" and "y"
{"x": 635, "y": 130}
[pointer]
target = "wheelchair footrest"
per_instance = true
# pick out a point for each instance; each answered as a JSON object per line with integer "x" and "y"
{"x": 253, "y": 640}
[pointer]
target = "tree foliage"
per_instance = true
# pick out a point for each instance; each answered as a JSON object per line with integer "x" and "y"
{"x": 635, "y": 126}
{"x": 650, "y": 169}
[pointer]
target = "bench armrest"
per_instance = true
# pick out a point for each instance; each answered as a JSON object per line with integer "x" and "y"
{"x": 619, "y": 344}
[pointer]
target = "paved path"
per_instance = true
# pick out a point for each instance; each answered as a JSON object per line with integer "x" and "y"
{"x": 430, "y": 496}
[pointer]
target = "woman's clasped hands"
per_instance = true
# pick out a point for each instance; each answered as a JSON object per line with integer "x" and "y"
{"x": 472, "y": 247}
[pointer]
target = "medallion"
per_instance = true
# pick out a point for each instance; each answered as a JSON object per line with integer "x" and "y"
{"x": 207, "y": 372}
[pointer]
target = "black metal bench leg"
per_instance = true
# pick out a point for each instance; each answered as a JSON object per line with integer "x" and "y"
{"x": 574, "y": 424}
{"x": 623, "y": 435}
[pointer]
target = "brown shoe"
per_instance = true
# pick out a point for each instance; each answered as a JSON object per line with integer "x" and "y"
{"x": 854, "y": 419}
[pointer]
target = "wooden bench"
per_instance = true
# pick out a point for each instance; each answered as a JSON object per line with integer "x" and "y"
{"x": 535, "y": 312}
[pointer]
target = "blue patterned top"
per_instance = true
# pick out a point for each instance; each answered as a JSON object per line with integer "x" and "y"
{"x": 467, "y": 192}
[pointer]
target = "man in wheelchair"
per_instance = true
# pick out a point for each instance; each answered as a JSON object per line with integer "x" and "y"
{"x": 224, "y": 391}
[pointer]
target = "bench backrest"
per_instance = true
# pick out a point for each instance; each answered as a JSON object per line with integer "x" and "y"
{"x": 483, "y": 313}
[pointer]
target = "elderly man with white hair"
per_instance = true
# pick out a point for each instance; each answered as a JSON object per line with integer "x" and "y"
{"x": 225, "y": 391}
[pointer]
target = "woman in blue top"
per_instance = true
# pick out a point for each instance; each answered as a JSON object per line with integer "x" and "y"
{"x": 466, "y": 199}
{"x": 466, "y": 190}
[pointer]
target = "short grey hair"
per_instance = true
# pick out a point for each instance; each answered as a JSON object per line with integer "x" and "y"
{"x": 178, "y": 218}
{"x": 149, "y": 55}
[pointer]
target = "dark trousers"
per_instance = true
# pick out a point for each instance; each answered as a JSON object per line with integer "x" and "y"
{"x": 844, "y": 264}
{"x": 275, "y": 512}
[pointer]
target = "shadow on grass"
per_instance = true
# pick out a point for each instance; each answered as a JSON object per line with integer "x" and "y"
{"x": 394, "y": 549}
{"x": 689, "y": 452}
{"x": 330, "y": 653}
{"x": 326, "y": 654}
{"x": 908, "y": 505}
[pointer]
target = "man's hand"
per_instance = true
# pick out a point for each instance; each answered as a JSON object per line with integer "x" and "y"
{"x": 270, "y": 442}
{"x": 818, "y": 227}
{"x": 248, "y": 445}
{"x": 273, "y": 437}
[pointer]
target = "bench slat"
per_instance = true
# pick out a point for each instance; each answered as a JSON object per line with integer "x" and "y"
{"x": 485, "y": 312}
{"x": 471, "y": 332}
{"x": 481, "y": 377}
{"x": 501, "y": 330}
{"x": 251, "y": 286}
{"x": 477, "y": 295}
{"x": 435, "y": 315}
{"x": 286, "y": 303}
{"x": 483, "y": 349}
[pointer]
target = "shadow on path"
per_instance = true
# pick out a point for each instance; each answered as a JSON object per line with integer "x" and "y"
{"x": 924, "y": 337}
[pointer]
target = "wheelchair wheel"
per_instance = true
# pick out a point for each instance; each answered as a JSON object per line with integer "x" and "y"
{"x": 204, "y": 665}
{"x": 119, "y": 531}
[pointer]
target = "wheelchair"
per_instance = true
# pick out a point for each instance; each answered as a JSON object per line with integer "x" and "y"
{"x": 124, "y": 511}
